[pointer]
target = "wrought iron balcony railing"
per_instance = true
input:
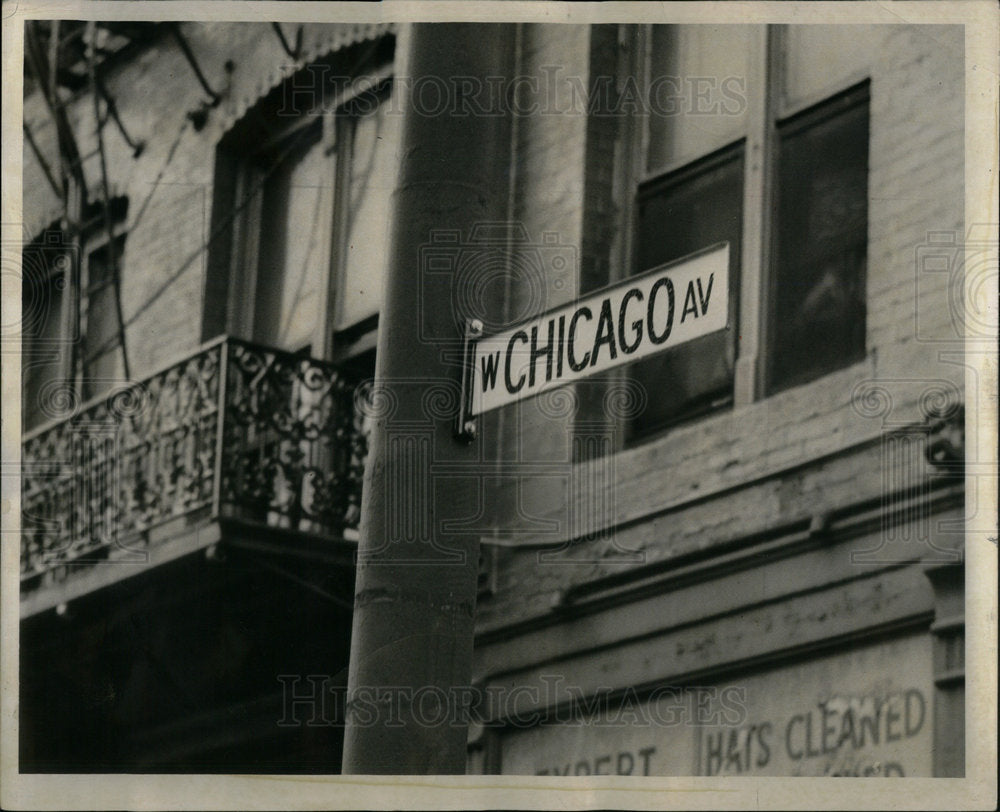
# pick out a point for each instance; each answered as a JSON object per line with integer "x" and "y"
{"x": 235, "y": 431}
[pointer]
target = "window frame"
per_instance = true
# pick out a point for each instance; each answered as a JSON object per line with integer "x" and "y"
{"x": 251, "y": 173}
{"x": 89, "y": 289}
{"x": 60, "y": 312}
{"x": 844, "y": 100}
{"x": 783, "y": 107}
{"x": 767, "y": 108}
{"x": 242, "y": 180}
{"x": 733, "y": 152}
{"x": 358, "y": 337}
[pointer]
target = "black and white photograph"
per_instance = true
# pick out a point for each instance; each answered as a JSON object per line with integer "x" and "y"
{"x": 499, "y": 405}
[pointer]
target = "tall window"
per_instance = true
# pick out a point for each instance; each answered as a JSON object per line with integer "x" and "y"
{"x": 301, "y": 211}
{"x": 367, "y": 139}
{"x": 678, "y": 214}
{"x": 101, "y": 347}
{"x": 293, "y": 180}
{"x": 46, "y": 266}
{"x": 757, "y": 136}
{"x": 816, "y": 315}
{"x": 71, "y": 336}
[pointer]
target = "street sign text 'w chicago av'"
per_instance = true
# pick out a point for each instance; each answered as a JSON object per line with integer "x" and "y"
{"x": 625, "y": 322}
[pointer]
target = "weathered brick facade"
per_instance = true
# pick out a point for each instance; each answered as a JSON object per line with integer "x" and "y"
{"x": 916, "y": 187}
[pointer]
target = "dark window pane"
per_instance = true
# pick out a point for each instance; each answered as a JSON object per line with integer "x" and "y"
{"x": 817, "y": 316}
{"x": 42, "y": 343}
{"x": 678, "y": 215}
{"x": 99, "y": 264}
{"x": 101, "y": 346}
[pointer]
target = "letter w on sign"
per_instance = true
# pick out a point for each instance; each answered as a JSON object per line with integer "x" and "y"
{"x": 633, "y": 319}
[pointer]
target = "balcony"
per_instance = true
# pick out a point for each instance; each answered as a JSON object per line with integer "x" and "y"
{"x": 234, "y": 436}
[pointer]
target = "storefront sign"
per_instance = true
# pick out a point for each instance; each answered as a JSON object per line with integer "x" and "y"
{"x": 867, "y": 713}
{"x": 863, "y": 713}
{"x": 634, "y": 319}
{"x": 841, "y": 735}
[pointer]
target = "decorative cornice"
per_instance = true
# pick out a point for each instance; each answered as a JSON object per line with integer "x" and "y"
{"x": 746, "y": 552}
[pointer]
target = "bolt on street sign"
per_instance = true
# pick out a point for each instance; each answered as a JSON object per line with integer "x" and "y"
{"x": 625, "y": 322}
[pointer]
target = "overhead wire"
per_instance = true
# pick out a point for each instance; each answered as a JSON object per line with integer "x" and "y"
{"x": 112, "y": 260}
{"x": 69, "y": 165}
{"x": 46, "y": 169}
{"x": 224, "y": 222}
{"x": 185, "y": 123}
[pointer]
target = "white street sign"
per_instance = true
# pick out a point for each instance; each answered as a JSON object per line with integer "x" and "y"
{"x": 630, "y": 320}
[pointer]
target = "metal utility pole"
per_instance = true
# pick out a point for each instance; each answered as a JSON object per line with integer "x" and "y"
{"x": 411, "y": 650}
